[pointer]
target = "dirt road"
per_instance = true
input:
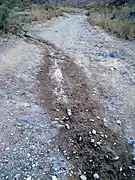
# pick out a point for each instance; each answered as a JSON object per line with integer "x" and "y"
{"x": 112, "y": 75}
{"x": 85, "y": 72}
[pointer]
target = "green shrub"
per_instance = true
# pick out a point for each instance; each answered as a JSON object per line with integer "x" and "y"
{"x": 6, "y": 7}
{"x": 4, "y": 14}
{"x": 116, "y": 19}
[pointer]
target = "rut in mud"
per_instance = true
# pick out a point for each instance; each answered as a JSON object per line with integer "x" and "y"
{"x": 41, "y": 80}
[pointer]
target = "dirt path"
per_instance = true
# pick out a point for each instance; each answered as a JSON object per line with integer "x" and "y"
{"x": 27, "y": 146}
{"x": 113, "y": 77}
{"x": 40, "y": 84}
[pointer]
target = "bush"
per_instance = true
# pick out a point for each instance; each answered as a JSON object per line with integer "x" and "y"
{"x": 4, "y": 14}
{"x": 117, "y": 19}
{"x": 6, "y": 7}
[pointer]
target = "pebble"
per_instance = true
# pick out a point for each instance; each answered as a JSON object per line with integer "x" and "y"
{"x": 8, "y": 148}
{"x": 54, "y": 178}
{"x": 92, "y": 140}
{"x": 54, "y": 122}
{"x": 28, "y": 155}
{"x": 74, "y": 152}
{"x": 121, "y": 169}
{"x": 29, "y": 178}
{"x": 94, "y": 132}
{"x": 83, "y": 177}
{"x": 102, "y": 135}
{"x": 90, "y": 133}
{"x": 69, "y": 112}
{"x": 112, "y": 68}
{"x": 59, "y": 126}
{"x": 67, "y": 126}
{"x": 90, "y": 160}
{"x": 65, "y": 153}
{"x": 57, "y": 119}
{"x": 116, "y": 158}
{"x": 80, "y": 139}
{"x": 96, "y": 176}
{"x": 17, "y": 176}
{"x": 118, "y": 122}
{"x": 106, "y": 136}
{"x": 99, "y": 143}
{"x": 63, "y": 118}
{"x": 98, "y": 117}
{"x": 131, "y": 167}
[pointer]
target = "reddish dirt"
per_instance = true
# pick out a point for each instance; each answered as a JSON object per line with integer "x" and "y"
{"x": 89, "y": 157}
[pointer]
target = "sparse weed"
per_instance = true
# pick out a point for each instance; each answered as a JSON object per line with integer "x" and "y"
{"x": 116, "y": 19}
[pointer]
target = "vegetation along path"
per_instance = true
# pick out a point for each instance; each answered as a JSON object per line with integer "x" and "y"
{"x": 67, "y": 103}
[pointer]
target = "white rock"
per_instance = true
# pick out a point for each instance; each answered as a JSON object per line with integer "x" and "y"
{"x": 54, "y": 178}
{"x": 63, "y": 118}
{"x": 112, "y": 68}
{"x": 119, "y": 122}
{"x": 92, "y": 140}
{"x": 29, "y": 178}
{"x": 8, "y": 148}
{"x": 59, "y": 126}
{"x": 67, "y": 126}
{"x": 94, "y": 132}
{"x": 106, "y": 136}
{"x": 17, "y": 176}
{"x": 65, "y": 153}
{"x": 131, "y": 167}
{"x": 54, "y": 122}
{"x": 83, "y": 177}
{"x": 99, "y": 143}
{"x": 80, "y": 138}
{"x": 74, "y": 152}
{"x": 57, "y": 119}
{"x": 116, "y": 158}
{"x": 90, "y": 160}
{"x": 28, "y": 155}
{"x": 89, "y": 132}
{"x": 92, "y": 120}
{"x": 102, "y": 135}
{"x": 121, "y": 169}
{"x": 98, "y": 117}
{"x": 69, "y": 112}
{"x": 96, "y": 176}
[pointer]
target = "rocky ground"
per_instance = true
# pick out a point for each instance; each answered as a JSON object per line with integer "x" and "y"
{"x": 67, "y": 103}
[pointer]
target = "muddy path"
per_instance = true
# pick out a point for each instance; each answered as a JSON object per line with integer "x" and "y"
{"x": 61, "y": 98}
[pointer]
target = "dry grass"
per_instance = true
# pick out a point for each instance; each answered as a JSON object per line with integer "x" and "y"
{"x": 36, "y": 13}
{"x": 114, "y": 19}
{"x": 45, "y": 12}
